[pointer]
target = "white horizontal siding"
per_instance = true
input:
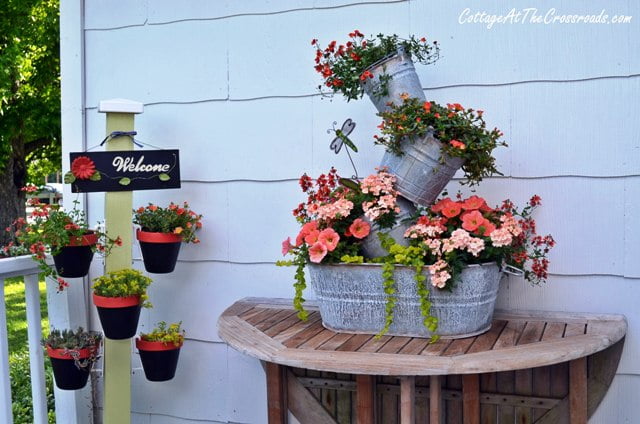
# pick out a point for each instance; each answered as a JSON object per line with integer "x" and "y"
{"x": 231, "y": 85}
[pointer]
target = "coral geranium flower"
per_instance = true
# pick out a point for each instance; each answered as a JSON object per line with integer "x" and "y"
{"x": 83, "y": 168}
{"x": 312, "y": 237}
{"x": 451, "y": 209}
{"x": 359, "y": 229}
{"x": 317, "y": 252}
{"x": 472, "y": 220}
{"x": 329, "y": 238}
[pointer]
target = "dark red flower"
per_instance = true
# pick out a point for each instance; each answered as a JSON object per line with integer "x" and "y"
{"x": 83, "y": 168}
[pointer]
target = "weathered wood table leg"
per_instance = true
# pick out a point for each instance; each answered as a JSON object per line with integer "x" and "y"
{"x": 365, "y": 399}
{"x": 471, "y": 399}
{"x": 578, "y": 391}
{"x": 277, "y": 409}
{"x": 435, "y": 399}
{"x": 407, "y": 400}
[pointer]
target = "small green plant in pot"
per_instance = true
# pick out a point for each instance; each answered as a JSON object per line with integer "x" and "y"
{"x": 66, "y": 236}
{"x": 119, "y": 296}
{"x": 160, "y": 351}
{"x": 72, "y": 354}
{"x": 162, "y": 232}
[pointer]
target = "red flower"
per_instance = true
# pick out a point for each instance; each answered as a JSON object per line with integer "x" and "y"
{"x": 365, "y": 75}
{"x": 473, "y": 202}
{"x": 535, "y": 200}
{"x": 83, "y": 168}
{"x": 458, "y": 144}
{"x": 451, "y": 209}
{"x": 427, "y": 107}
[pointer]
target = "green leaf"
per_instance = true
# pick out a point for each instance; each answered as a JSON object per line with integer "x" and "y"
{"x": 125, "y": 181}
{"x": 96, "y": 176}
{"x": 349, "y": 184}
{"x": 69, "y": 178}
{"x": 164, "y": 177}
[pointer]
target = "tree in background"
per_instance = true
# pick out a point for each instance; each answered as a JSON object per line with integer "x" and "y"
{"x": 29, "y": 100}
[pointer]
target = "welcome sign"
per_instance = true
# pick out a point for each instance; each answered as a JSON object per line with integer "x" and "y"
{"x": 123, "y": 170}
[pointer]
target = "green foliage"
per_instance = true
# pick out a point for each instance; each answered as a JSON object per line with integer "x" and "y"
{"x": 20, "y": 375}
{"x": 389, "y": 286}
{"x": 347, "y": 259}
{"x": 161, "y": 333}
{"x": 462, "y": 132}
{"x": 19, "y": 372}
{"x": 73, "y": 340}
{"x": 30, "y": 84}
{"x": 174, "y": 219}
{"x": 123, "y": 283}
{"x": 344, "y": 67}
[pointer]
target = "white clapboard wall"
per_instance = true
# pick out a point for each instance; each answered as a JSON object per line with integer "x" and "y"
{"x": 231, "y": 84}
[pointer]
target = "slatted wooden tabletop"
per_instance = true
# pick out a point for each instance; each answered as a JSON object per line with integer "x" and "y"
{"x": 269, "y": 329}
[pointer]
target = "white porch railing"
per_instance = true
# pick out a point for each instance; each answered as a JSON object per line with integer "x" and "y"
{"x": 65, "y": 310}
{"x": 15, "y": 267}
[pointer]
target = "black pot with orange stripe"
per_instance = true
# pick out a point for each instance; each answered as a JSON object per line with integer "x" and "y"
{"x": 118, "y": 315}
{"x": 159, "y": 359}
{"x": 74, "y": 260}
{"x": 71, "y": 367}
{"x": 159, "y": 251}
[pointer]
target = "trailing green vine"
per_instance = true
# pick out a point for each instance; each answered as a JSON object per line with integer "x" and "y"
{"x": 389, "y": 285}
{"x": 300, "y": 285}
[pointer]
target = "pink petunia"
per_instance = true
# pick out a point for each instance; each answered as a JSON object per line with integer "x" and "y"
{"x": 286, "y": 246}
{"x": 312, "y": 237}
{"x": 317, "y": 252}
{"x": 329, "y": 238}
{"x": 359, "y": 229}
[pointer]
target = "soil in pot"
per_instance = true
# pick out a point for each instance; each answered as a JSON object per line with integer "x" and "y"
{"x": 67, "y": 375}
{"x": 161, "y": 364}
{"x": 118, "y": 316}
{"x": 159, "y": 251}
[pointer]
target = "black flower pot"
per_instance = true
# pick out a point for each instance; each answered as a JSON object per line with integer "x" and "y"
{"x": 159, "y": 251}
{"x": 67, "y": 375}
{"x": 159, "y": 361}
{"x": 74, "y": 260}
{"x": 118, "y": 315}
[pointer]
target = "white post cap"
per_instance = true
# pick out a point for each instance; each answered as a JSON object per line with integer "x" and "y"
{"x": 120, "y": 106}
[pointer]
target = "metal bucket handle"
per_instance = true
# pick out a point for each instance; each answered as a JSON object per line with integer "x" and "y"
{"x": 512, "y": 270}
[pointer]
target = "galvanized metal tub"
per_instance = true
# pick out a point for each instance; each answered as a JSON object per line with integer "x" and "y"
{"x": 371, "y": 247}
{"x": 423, "y": 170}
{"x": 404, "y": 79}
{"x": 352, "y": 299}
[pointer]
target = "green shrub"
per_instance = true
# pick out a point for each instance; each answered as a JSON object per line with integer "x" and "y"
{"x": 21, "y": 389}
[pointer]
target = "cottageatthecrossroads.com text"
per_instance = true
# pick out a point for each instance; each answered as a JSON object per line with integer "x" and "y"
{"x": 532, "y": 15}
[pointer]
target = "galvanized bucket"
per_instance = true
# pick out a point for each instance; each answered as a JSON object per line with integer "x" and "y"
{"x": 421, "y": 171}
{"x": 371, "y": 247}
{"x": 352, "y": 299}
{"x": 404, "y": 79}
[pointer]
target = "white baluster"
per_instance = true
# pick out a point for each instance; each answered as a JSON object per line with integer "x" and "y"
{"x": 6, "y": 413}
{"x": 36, "y": 356}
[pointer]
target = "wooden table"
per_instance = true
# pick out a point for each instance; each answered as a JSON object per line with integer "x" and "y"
{"x": 269, "y": 330}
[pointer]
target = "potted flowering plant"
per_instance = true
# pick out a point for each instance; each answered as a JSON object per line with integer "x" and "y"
{"x": 461, "y": 248}
{"x": 119, "y": 296}
{"x": 336, "y": 219}
{"x": 162, "y": 230}
{"x": 160, "y": 350}
{"x": 66, "y": 235}
{"x": 72, "y": 354}
{"x": 382, "y": 66}
{"x": 426, "y": 143}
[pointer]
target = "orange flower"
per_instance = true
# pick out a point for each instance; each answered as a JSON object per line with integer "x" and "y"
{"x": 177, "y": 230}
{"x": 473, "y": 202}
{"x": 472, "y": 220}
{"x": 152, "y": 208}
{"x": 427, "y": 107}
{"x": 359, "y": 229}
{"x": 486, "y": 228}
{"x": 458, "y": 144}
{"x": 451, "y": 209}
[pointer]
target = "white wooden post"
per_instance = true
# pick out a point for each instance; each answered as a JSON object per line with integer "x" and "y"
{"x": 5, "y": 386}
{"x": 36, "y": 355}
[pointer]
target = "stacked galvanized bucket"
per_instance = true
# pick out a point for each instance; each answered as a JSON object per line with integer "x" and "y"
{"x": 351, "y": 297}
